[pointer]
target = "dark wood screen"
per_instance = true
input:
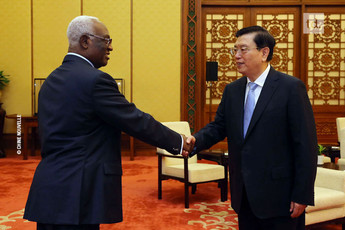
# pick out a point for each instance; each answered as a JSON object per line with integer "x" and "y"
{"x": 317, "y": 59}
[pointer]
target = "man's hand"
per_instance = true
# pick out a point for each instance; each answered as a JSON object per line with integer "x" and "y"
{"x": 296, "y": 209}
{"x": 188, "y": 145}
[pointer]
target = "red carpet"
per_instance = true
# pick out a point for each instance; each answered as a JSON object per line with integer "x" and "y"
{"x": 141, "y": 207}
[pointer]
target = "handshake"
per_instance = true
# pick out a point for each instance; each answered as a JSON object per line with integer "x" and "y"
{"x": 188, "y": 145}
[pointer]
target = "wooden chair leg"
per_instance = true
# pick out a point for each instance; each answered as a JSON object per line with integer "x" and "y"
{"x": 224, "y": 188}
{"x": 223, "y": 191}
{"x": 186, "y": 183}
{"x": 186, "y": 195}
{"x": 159, "y": 177}
{"x": 193, "y": 188}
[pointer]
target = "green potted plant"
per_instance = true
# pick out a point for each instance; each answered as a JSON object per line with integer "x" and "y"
{"x": 321, "y": 155}
{"x": 4, "y": 80}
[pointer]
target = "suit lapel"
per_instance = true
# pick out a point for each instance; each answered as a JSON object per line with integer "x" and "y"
{"x": 240, "y": 91}
{"x": 268, "y": 89}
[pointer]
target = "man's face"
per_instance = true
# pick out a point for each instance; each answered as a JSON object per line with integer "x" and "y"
{"x": 99, "y": 49}
{"x": 250, "y": 61}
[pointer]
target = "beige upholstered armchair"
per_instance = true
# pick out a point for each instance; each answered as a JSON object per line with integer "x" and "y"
{"x": 340, "y": 125}
{"x": 188, "y": 170}
{"x": 341, "y": 138}
{"x": 329, "y": 199}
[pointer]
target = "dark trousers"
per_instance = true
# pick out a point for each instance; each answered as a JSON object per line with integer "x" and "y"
{"x": 248, "y": 221}
{"x": 67, "y": 227}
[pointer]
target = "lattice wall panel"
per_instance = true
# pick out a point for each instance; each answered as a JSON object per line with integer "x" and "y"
{"x": 281, "y": 26}
{"x": 326, "y": 62}
{"x": 220, "y": 37}
{"x": 191, "y": 76}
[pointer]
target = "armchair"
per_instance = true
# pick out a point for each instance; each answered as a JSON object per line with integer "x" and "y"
{"x": 188, "y": 170}
{"x": 341, "y": 138}
{"x": 340, "y": 125}
{"x": 329, "y": 199}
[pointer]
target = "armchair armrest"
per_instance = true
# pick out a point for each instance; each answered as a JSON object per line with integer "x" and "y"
{"x": 330, "y": 178}
{"x": 169, "y": 155}
{"x": 215, "y": 156}
{"x": 342, "y": 143}
{"x": 164, "y": 153}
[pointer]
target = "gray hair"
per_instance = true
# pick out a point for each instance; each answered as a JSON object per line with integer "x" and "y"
{"x": 79, "y": 26}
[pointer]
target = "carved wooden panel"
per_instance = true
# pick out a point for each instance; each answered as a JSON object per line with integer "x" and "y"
{"x": 325, "y": 71}
{"x": 326, "y": 62}
{"x": 326, "y": 128}
{"x": 220, "y": 37}
{"x": 221, "y": 29}
{"x": 191, "y": 66}
{"x": 281, "y": 26}
{"x": 317, "y": 59}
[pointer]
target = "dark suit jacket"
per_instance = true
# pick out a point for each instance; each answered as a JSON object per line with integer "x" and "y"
{"x": 81, "y": 116}
{"x": 276, "y": 161}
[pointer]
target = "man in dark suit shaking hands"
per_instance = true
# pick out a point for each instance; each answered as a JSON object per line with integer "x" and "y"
{"x": 268, "y": 120}
{"x": 81, "y": 114}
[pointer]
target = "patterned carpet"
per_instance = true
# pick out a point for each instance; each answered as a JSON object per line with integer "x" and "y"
{"x": 214, "y": 216}
{"x": 141, "y": 207}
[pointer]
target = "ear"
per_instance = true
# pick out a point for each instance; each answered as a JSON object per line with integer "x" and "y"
{"x": 265, "y": 53}
{"x": 84, "y": 41}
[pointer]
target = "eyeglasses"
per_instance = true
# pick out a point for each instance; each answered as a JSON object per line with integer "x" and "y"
{"x": 108, "y": 40}
{"x": 242, "y": 50}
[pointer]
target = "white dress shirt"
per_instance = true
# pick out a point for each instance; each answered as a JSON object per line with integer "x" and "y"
{"x": 260, "y": 81}
{"x": 78, "y": 55}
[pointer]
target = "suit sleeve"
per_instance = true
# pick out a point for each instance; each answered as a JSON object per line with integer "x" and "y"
{"x": 115, "y": 110}
{"x": 213, "y": 132}
{"x": 304, "y": 141}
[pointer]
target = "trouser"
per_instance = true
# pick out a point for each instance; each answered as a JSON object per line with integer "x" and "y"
{"x": 67, "y": 227}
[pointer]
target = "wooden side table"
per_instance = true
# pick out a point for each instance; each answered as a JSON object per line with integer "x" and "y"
{"x": 217, "y": 156}
{"x": 2, "y": 119}
{"x": 27, "y": 122}
{"x": 332, "y": 165}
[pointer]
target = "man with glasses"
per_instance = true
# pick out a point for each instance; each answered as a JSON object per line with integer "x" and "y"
{"x": 269, "y": 124}
{"x": 81, "y": 114}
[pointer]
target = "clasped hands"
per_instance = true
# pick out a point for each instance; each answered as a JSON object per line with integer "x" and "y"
{"x": 188, "y": 145}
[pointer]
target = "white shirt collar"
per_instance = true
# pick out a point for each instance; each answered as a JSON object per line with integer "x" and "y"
{"x": 78, "y": 55}
{"x": 262, "y": 78}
